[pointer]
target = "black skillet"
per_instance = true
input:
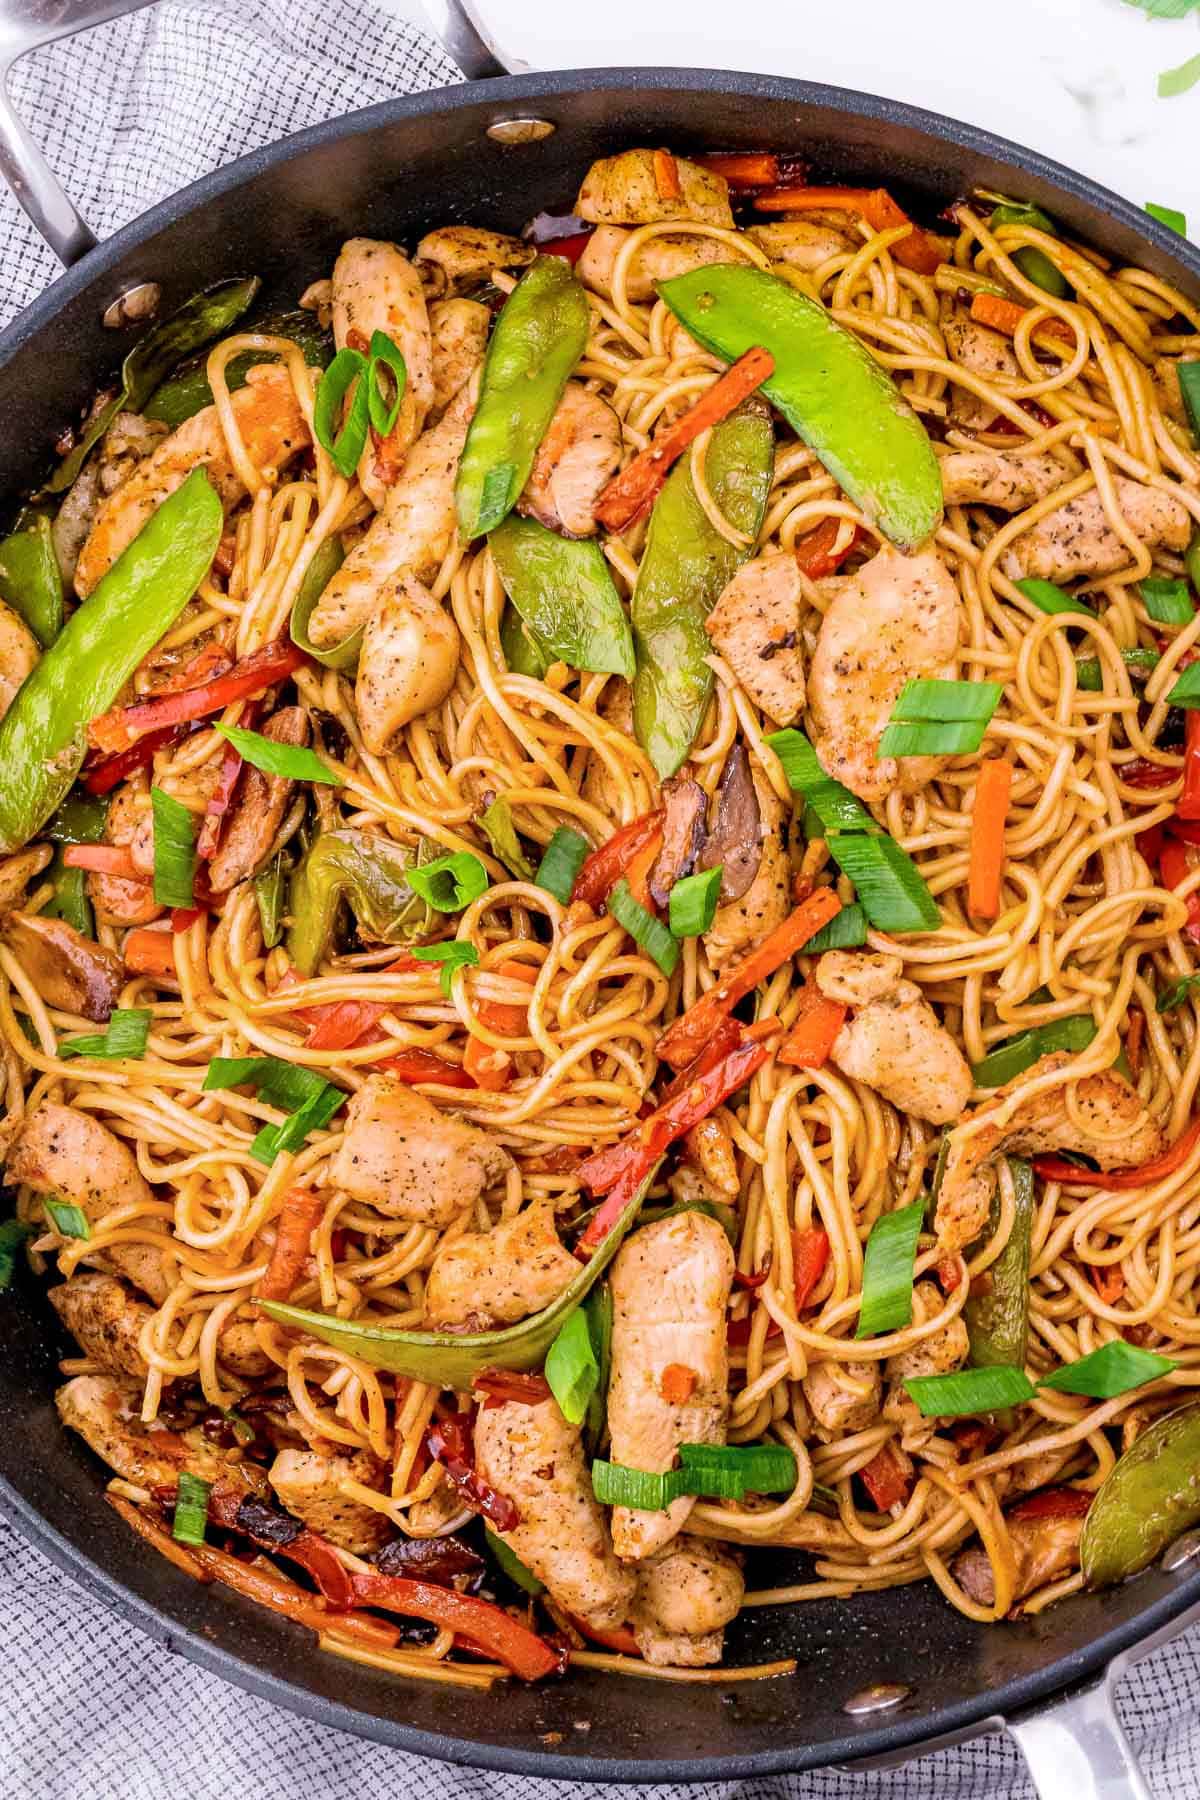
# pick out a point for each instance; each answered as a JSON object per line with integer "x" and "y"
{"x": 282, "y": 212}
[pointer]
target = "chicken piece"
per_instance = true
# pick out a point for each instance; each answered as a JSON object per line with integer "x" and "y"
{"x": 709, "y": 1146}
{"x": 105, "y": 1320}
{"x": 985, "y": 353}
{"x": 767, "y": 901}
{"x": 895, "y": 619}
{"x": 259, "y": 809}
{"x": 497, "y": 1277}
{"x": 755, "y": 625}
{"x": 60, "y": 1150}
{"x": 670, "y": 1287}
{"x": 18, "y": 870}
{"x": 658, "y": 259}
{"x": 686, "y": 1595}
{"x": 241, "y": 1353}
{"x": 686, "y": 805}
{"x": 273, "y": 432}
{"x": 801, "y": 243}
{"x": 626, "y": 190}
{"x": 438, "y": 1513}
{"x": 993, "y": 478}
{"x": 408, "y": 661}
{"x": 531, "y": 1455}
{"x": 1077, "y": 539}
{"x": 1107, "y": 1121}
{"x": 466, "y": 254}
{"x": 376, "y": 288}
{"x": 106, "y": 1411}
{"x": 843, "y": 1397}
{"x": 937, "y": 1354}
{"x": 118, "y": 899}
{"x": 409, "y": 1160}
{"x": 575, "y": 459}
{"x": 70, "y": 972}
{"x": 1045, "y": 1546}
{"x": 307, "y": 1483}
{"x": 893, "y": 1041}
{"x": 129, "y": 440}
{"x": 19, "y": 655}
{"x": 413, "y": 532}
{"x": 459, "y": 329}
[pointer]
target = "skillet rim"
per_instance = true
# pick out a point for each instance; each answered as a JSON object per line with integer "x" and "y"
{"x": 903, "y": 1733}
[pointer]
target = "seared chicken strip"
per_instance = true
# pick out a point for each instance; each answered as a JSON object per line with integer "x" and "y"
{"x": 273, "y": 432}
{"x": 404, "y": 1157}
{"x": 466, "y": 254}
{"x": 106, "y": 1413}
{"x": 984, "y": 352}
{"x": 670, "y": 1288}
{"x": 897, "y": 618}
{"x": 532, "y": 1456}
{"x": 893, "y": 1041}
{"x": 767, "y": 901}
{"x": 19, "y": 655}
{"x": 1077, "y": 539}
{"x": 259, "y": 809}
{"x": 408, "y": 661}
{"x": 580, "y": 451}
{"x": 105, "y": 1319}
{"x": 497, "y": 1277}
{"x": 459, "y": 329}
{"x": 308, "y": 1484}
{"x": 801, "y": 243}
{"x": 1107, "y": 1121}
{"x": 1045, "y": 1545}
{"x": 755, "y": 625}
{"x": 376, "y": 288}
{"x": 129, "y": 822}
{"x": 69, "y": 971}
{"x": 686, "y": 1595}
{"x": 843, "y": 1397}
{"x": 993, "y": 478}
{"x": 625, "y": 190}
{"x": 658, "y": 259}
{"x": 937, "y": 1354}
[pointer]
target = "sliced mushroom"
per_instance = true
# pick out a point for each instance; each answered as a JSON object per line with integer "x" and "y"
{"x": 259, "y": 808}
{"x": 69, "y": 971}
{"x": 734, "y": 843}
{"x": 683, "y": 835}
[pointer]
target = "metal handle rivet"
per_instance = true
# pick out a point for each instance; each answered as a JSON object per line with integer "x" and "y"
{"x": 880, "y": 1698}
{"x": 520, "y": 131}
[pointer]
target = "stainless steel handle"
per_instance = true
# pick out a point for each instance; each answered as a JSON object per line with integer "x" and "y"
{"x": 465, "y": 39}
{"x": 25, "y": 25}
{"x": 1078, "y": 1750}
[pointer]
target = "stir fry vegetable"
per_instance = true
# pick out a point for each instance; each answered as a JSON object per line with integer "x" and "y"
{"x": 1148, "y": 1500}
{"x": 186, "y": 391}
{"x": 29, "y": 575}
{"x": 563, "y": 591}
{"x": 368, "y": 872}
{"x": 998, "y": 1318}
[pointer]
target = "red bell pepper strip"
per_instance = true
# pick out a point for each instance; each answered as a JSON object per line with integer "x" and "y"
{"x": 1176, "y": 863}
{"x": 687, "y": 1036}
{"x": 989, "y": 817}
{"x": 1150, "y": 843}
{"x": 886, "y": 1479}
{"x": 810, "y": 1040}
{"x": 815, "y": 554}
{"x": 571, "y": 248}
{"x": 630, "y": 493}
{"x": 1053, "y": 1168}
{"x": 450, "y": 1443}
{"x": 619, "y": 1637}
{"x": 505, "y": 1387}
{"x": 117, "y": 730}
{"x": 1187, "y": 831}
{"x": 488, "y": 1627}
{"x": 920, "y": 250}
{"x": 1001, "y": 314}
{"x": 184, "y": 917}
{"x": 600, "y": 872}
{"x": 1188, "y": 805}
{"x": 1053, "y": 1503}
{"x": 415, "y": 1065}
{"x": 278, "y": 1533}
{"x": 1142, "y": 774}
{"x": 810, "y": 1253}
{"x": 149, "y": 952}
{"x": 107, "y": 774}
{"x": 102, "y": 859}
{"x": 343, "y": 1024}
{"x": 299, "y": 1218}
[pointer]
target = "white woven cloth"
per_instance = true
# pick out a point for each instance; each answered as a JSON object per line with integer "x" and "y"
{"x": 92, "y": 1710}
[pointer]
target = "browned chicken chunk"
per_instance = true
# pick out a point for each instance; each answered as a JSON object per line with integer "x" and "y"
{"x": 893, "y": 1040}
{"x": 993, "y": 478}
{"x": 938, "y": 1353}
{"x": 496, "y": 1277}
{"x": 658, "y": 259}
{"x": 408, "y": 1159}
{"x": 309, "y": 1485}
{"x": 106, "y": 1413}
{"x": 106, "y": 1321}
{"x": 376, "y": 288}
{"x": 800, "y": 243}
{"x": 575, "y": 459}
{"x": 755, "y": 625}
{"x": 1044, "y": 1544}
{"x": 686, "y": 1595}
{"x": 843, "y": 1397}
{"x": 1077, "y": 539}
{"x": 627, "y": 190}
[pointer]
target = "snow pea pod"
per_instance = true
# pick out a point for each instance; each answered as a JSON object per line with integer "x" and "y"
{"x": 563, "y": 590}
{"x": 79, "y": 820}
{"x": 828, "y": 387}
{"x": 43, "y": 733}
{"x": 1146, "y": 1501}
{"x": 1031, "y": 261}
{"x": 368, "y": 871}
{"x": 539, "y": 337}
{"x": 30, "y": 579}
{"x": 449, "y": 1359}
{"x": 998, "y": 1321}
{"x": 685, "y": 565}
{"x": 522, "y": 651}
{"x": 320, "y": 572}
{"x": 187, "y": 392}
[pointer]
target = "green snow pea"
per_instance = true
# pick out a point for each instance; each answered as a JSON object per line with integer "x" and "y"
{"x": 30, "y": 580}
{"x": 563, "y": 591}
{"x": 1148, "y": 1500}
{"x": 1031, "y": 261}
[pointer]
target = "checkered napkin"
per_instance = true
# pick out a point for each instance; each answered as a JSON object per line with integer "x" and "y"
{"x": 92, "y": 1710}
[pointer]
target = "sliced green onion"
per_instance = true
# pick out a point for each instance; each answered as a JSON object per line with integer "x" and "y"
{"x": 241, "y": 1428}
{"x": 944, "y": 701}
{"x": 836, "y": 807}
{"x": 970, "y": 1391}
{"x": 1089, "y": 676}
{"x": 1186, "y": 691}
{"x": 454, "y": 955}
{"x": 887, "y": 1283}
{"x": 384, "y": 355}
{"x": 126, "y": 1035}
{"x": 282, "y": 1084}
{"x": 571, "y": 1367}
{"x": 1019, "y": 1053}
{"x": 314, "y": 1115}
{"x": 1030, "y": 259}
{"x": 956, "y": 737}
{"x": 1189, "y": 387}
{"x": 191, "y": 1508}
{"x": 174, "y": 850}
{"x": 68, "y": 1220}
{"x": 1177, "y": 993}
{"x": 1051, "y": 599}
{"x": 615, "y": 1485}
{"x": 292, "y": 761}
{"x": 450, "y": 883}
{"x": 511, "y": 1565}
{"x": 1169, "y": 216}
{"x": 1115, "y": 1368}
{"x": 13, "y": 1233}
{"x": 344, "y": 445}
{"x": 890, "y": 886}
{"x": 845, "y": 931}
{"x": 598, "y": 1310}
{"x": 647, "y": 932}
{"x": 693, "y": 902}
{"x": 758, "y": 1468}
{"x": 1168, "y": 602}
{"x": 564, "y": 856}
{"x": 270, "y": 891}
{"x": 497, "y": 824}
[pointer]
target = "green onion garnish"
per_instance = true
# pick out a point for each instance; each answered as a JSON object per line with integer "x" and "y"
{"x": 970, "y": 1391}
{"x": 511, "y": 1565}
{"x": 1167, "y": 602}
{"x": 598, "y": 1309}
{"x": 191, "y": 1508}
{"x": 1169, "y": 216}
{"x": 452, "y": 956}
{"x": 1189, "y": 387}
{"x": 1050, "y": 599}
{"x": 565, "y": 855}
{"x": 1019, "y": 1053}
{"x": 290, "y": 760}
{"x": 126, "y": 1035}
{"x": 174, "y": 850}
{"x": 647, "y": 932}
{"x": 450, "y": 883}
{"x": 314, "y": 1115}
{"x": 1186, "y": 691}
{"x": 725, "y": 1471}
{"x": 68, "y": 1220}
{"x": 571, "y": 1367}
{"x": 890, "y": 886}
{"x": 760, "y": 1468}
{"x": 615, "y": 1485}
{"x": 497, "y": 824}
{"x": 308, "y": 1099}
{"x": 344, "y": 445}
{"x": 1113, "y": 1369}
{"x": 1089, "y": 676}
{"x": 845, "y": 931}
{"x": 13, "y": 1233}
{"x": 384, "y": 355}
{"x": 1177, "y": 993}
{"x": 946, "y": 700}
{"x": 956, "y": 737}
{"x": 693, "y": 902}
{"x": 836, "y": 808}
{"x": 887, "y": 1285}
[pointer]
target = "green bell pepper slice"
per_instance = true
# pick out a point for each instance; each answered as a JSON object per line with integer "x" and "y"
{"x": 684, "y": 567}
{"x": 43, "y": 735}
{"x": 538, "y": 339}
{"x": 450, "y": 1359}
{"x": 998, "y": 1322}
{"x": 368, "y": 871}
{"x": 186, "y": 392}
{"x": 563, "y": 590}
{"x": 30, "y": 578}
{"x": 828, "y": 387}
{"x": 1031, "y": 261}
{"x": 1148, "y": 1500}
{"x": 320, "y": 572}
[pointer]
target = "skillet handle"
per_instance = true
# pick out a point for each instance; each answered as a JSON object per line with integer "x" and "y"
{"x": 463, "y": 39}
{"x": 1077, "y": 1749}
